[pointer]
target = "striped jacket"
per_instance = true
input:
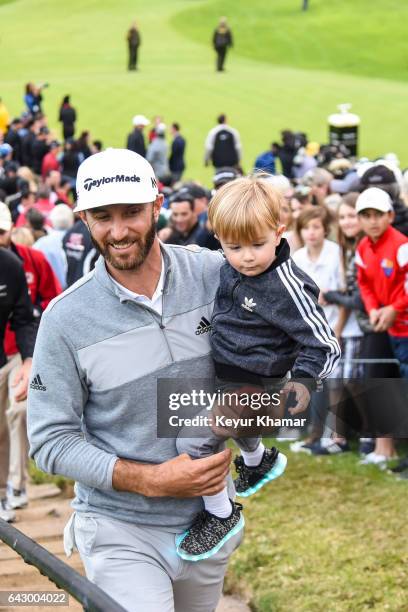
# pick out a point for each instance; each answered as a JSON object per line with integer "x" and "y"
{"x": 271, "y": 323}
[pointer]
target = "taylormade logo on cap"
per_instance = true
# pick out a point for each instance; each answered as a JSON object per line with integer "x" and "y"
{"x": 115, "y": 176}
{"x": 119, "y": 178}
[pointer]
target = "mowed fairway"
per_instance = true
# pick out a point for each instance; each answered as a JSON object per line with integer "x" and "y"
{"x": 79, "y": 47}
{"x": 330, "y": 536}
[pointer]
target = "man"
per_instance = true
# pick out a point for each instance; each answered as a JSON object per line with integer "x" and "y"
{"x": 15, "y": 309}
{"x": 61, "y": 219}
{"x": 133, "y": 40}
{"x": 156, "y": 153}
{"x": 222, "y": 40}
{"x": 383, "y": 177}
{"x": 176, "y": 159}
{"x": 50, "y": 160}
{"x": 136, "y": 141}
{"x": 80, "y": 252}
{"x": 223, "y": 145}
{"x": 40, "y": 149}
{"x": 101, "y": 350}
{"x": 42, "y": 286}
{"x": 184, "y": 221}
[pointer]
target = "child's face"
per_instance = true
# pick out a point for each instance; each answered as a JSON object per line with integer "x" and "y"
{"x": 374, "y": 222}
{"x": 313, "y": 233}
{"x": 254, "y": 258}
{"x": 349, "y": 222}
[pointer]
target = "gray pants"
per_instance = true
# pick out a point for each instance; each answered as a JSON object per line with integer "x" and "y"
{"x": 138, "y": 566}
{"x": 207, "y": 442}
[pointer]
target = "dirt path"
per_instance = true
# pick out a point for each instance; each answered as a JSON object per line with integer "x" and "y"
{"x": 43, "y": 521}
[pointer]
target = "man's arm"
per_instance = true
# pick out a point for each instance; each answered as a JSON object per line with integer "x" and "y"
{"x": 55, "y": 409}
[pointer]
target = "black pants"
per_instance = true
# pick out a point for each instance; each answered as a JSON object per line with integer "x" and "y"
{"x": 221, "y": 53}
{"x": 133, "y": 58}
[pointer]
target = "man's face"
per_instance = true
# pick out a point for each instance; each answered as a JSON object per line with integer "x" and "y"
{"x": 183, "y": 218}
{"x": 5, "y": 238}
{"x": 123, "y": 233}
{"x": 374, "y": 222}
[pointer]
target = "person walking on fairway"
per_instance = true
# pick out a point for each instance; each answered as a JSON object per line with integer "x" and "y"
{"x": 134, "y": 40}
{"x": 222, "y": 39}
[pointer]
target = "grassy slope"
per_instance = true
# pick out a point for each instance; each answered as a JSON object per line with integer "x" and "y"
{"x": 82, "y": 51}
{"x": 329, "y": 536}
{"x": 361, "y": 37}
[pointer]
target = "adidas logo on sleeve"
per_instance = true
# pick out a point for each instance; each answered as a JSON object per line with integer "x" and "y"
{"x": 37, "y": 384}
{"x": 203, "y": 327}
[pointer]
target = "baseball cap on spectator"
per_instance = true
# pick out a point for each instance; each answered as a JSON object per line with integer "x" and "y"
{"x": 281, "y": 184}
{"x": 61, "y": 217}
{"x": 196, "y": 191}
{"x": 376, "y": 198}
{"x": 316, "y": 177}
{"x": 378, "y": 174}
{"x": 224, "y": 175}
{"x": 140, "y": 120}
{"x": 44, "y": 130}
{"x": 5, "y": 218}
{"x": 160, "y": 129}
{"x": 115, "y": 176}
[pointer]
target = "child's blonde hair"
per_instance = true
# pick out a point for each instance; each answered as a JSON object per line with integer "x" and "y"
{"x": 242, "y": 209}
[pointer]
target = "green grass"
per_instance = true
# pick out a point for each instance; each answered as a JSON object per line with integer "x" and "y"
{"x": 82, "y": 51}
{"x": 361, "y": 37}
{"x": 329, "y": 536}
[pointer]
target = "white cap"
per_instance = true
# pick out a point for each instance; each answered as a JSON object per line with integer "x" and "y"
{"x": 160, "y": 129}
{"x": 374, "y": 198}
{"x": 280, "y": 182}
{"x": 140, "y": 120}
{"x": 5, "y": 218}
{"x": 115, "y": 176}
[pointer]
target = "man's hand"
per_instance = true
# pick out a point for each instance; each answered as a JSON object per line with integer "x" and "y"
{"x": 386, "y": 318}
{"x": 373, "y": 316}
{"x": 178, "y": 477}
{"x": 21, "y": 380}
{"x": 302, "y": 396}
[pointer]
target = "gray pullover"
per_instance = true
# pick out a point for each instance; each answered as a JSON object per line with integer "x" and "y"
{"x": 99, "y": 355}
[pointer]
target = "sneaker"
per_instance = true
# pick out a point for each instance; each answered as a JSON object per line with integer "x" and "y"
{"x": 401, "y": 467}
{"x": 303, "y": 447}
{"x": 333, "y": 448}
{"x": 251, "y": 479}
{"x": 6, "y": 513}
{"x": 17, "y": 498}
{"x": 366, "y": 446}
{"x": 375, "y": 459}
{"x": 208, "y": 534}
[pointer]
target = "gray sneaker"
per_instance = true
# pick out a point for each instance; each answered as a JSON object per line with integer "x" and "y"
{"x": 6, "y": 513}
{"x": 16, "y": 498}
{"x": 208, "y": 534}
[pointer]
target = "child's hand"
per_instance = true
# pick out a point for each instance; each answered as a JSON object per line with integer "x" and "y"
{"x": 301, "y": 393}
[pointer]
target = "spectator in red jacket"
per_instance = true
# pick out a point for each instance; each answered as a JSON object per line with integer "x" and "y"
{"x": 382, "y": 264}
{"x": 43, "y": 286}
{"x": 50, "y": 160}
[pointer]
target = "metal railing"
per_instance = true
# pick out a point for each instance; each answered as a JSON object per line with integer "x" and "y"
{"x": 88, "y": 594}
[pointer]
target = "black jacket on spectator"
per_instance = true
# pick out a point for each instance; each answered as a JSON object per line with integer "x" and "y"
{"x": 27, "y": 149}
{"x": 184, "y": 239}
{"x": 15, "y": 306}
{"x": 67, "y": 116}
{"x": 176, "y": 159}
{"x": 70, "y": 163}
{"x": 80, "y": 252}
{"x": 401, "y": 217}
{"x": 39, "y": 151}
{"x": 136, "y": 143}
{"x": 13, "y": 138}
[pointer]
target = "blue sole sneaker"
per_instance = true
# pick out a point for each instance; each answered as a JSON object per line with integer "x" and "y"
{"x": 251, "y": 479}
{"x": 208, "y": 534}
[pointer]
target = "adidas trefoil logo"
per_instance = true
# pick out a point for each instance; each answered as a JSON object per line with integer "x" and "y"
{"x": 248, "y": 304}
{"x": 203, "y": 327}
{"x": 37, "y": 384}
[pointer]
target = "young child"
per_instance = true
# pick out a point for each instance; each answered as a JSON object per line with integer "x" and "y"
{"x": 266, "y": 322}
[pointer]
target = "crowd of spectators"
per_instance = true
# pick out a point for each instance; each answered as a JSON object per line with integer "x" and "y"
{"x": 327, "y": 227}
